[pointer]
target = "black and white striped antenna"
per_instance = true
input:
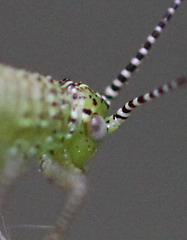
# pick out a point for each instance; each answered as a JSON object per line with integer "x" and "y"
{"x": 112, "y": 91}
{"x": 114, "y": 121}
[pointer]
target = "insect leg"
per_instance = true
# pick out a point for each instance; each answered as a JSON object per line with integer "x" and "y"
{"x": 70, "y": 179}
{"x": 2, "y": 237}
{"x": 11, "y": 170}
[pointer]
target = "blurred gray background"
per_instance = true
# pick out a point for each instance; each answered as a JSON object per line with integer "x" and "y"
{"x": 137, "y": 179}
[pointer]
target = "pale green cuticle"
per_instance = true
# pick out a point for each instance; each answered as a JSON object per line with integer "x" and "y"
{"x": 32, "y": 109}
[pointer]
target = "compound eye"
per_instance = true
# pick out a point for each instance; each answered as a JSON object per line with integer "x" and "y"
{"x": 97, "y": 127}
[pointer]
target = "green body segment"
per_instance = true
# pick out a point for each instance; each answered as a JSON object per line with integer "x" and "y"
{"x": 41, "y": 116}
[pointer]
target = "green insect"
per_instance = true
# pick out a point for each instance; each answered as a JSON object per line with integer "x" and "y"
{"x": 61, "y": 124}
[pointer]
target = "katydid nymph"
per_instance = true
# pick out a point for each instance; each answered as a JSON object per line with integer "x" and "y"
{"x": 61, "y": 123}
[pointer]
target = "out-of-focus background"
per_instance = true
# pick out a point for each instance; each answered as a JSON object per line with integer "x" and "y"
{"x": 137, "y": 179}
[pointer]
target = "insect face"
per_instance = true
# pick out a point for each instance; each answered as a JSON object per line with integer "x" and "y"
{"x": 86, "y": 123}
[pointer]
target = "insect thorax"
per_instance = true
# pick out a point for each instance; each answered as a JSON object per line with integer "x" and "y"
{"x": 43, "y": 116}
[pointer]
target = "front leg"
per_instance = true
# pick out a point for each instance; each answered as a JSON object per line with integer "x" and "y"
{"x": 73, "y": 180}
{"x": 11, "y": 169}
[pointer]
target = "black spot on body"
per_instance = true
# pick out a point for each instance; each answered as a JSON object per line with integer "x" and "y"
{"x": 87, "y": 111}
{"x": 74, "y": 96}
{"x": 82, "y": 97}
{"x": 63, "y": 102}
{"x": 94, "y": 102}
{"x": 54, "y": 104}
{"x": 51, "y": 152}
{"x": 51, "y": 80}
{"x": 73, "y": 120}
